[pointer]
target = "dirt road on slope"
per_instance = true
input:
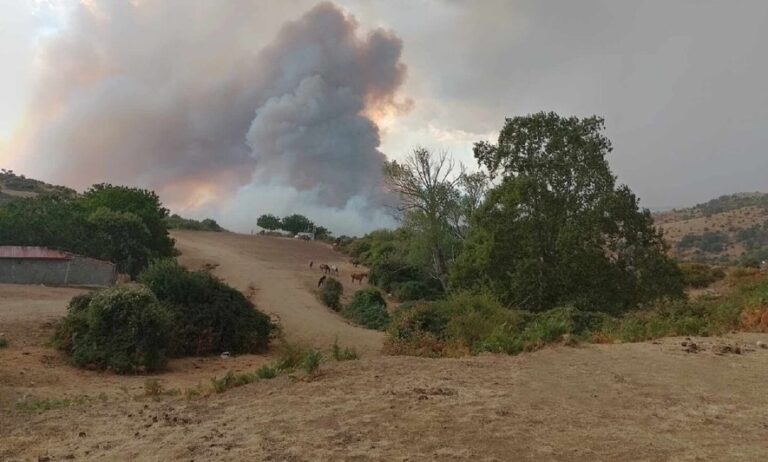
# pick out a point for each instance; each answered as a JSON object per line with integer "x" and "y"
{"x": 278, "y": 269}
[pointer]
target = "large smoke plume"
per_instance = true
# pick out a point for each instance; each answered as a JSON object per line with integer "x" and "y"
{"x": 183, "y": 99}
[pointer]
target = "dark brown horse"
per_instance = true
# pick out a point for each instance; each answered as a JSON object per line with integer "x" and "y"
{"x": 359, "y": 277}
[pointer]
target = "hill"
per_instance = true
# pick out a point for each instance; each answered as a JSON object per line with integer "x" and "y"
{"x": 726, "y": 230}
{"x": 13, "y": 186}
{"x": 560, "y": 403}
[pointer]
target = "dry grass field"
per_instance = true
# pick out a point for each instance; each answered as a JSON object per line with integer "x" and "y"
{"x": 635, "y": 402}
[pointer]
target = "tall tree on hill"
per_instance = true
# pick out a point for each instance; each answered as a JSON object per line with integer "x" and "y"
{"x": 296, "y": 224}
{"x": 268, "y": 222}
{"x": 558, "y": 230}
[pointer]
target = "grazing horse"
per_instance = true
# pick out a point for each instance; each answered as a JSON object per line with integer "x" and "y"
{"x": 311, "y": 264}
{"x": 325, "y": 268}
{"x": 321, "y": 281}
{"x": 335, "y": 269}
{"x": 359, "y": 277}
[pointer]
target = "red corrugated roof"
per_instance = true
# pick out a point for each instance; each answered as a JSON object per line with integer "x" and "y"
{"x": 21, "y": 251}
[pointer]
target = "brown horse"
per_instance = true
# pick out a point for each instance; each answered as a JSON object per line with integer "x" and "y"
{"x": 359, "y": 277}
{"x": 325, "y": 268}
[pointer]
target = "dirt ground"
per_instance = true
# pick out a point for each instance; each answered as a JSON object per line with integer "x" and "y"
{"x": 640, "y": 402}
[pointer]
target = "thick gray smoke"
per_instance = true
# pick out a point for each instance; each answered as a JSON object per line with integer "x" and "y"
{"x": 182, "y": 98}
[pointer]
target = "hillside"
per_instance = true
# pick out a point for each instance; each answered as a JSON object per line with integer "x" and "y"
{"x": 14, "y": 186}
{"x": 591, "y": 402}
{"x": 726, "y": 230}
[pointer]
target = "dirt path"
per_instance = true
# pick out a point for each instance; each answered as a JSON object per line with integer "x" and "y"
{"x": 278, "y": 269}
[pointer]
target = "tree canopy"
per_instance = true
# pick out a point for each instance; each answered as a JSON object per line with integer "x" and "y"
{"x": 557, "y": 230}
{"x": 124, "y": 225}
{"x": 269, "y": 222}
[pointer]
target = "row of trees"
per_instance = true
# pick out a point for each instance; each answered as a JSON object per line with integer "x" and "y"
{"x": 124, "y": 225}
{"x": 294, "y": 224}
{"x": 543, "y": 225}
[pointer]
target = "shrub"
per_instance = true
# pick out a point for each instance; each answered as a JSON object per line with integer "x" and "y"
{"x": 368, "y": 309}
{"x": 3, "y": 342}
{"x": 414, "y": 290}
{"x": 330, "y": 293}
{"x": 699, "y": 275}
{"x": 311, "y": 361}
{"x": 232, "y": 380}
{"x": 266, "y": 372}
{"x": 345, "y": 354}
{"x": 123, "y": 329}
{"x": 290, "y": 356}
{"x": 210, "y": 316}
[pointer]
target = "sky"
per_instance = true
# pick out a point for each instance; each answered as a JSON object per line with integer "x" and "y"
{"x": 232, "y": 109}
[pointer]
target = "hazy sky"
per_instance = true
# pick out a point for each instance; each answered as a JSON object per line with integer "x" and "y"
{"x": 683, "y": 85}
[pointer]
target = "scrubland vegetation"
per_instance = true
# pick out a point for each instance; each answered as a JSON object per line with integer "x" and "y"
{"x": 541, "y": 247}
{"x": 175, "y": 313}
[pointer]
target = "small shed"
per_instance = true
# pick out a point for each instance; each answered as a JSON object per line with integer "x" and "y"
{"x": 41, "y": 265}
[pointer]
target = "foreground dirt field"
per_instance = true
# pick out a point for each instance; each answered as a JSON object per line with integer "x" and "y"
{"x": 648, "y": 401}
{"x": 623, "y": 402}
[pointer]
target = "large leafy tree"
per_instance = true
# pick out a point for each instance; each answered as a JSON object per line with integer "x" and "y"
{"x": 557, "y": 229}
{"x": 296, "y": 224}
{"x": 141, "y": 202}
{"x": 268, "y": 222}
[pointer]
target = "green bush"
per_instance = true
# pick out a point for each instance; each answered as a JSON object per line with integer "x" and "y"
{"x": 699, "y": 275}
{"x": 330, "y": 293}
{"x": 266, "y": 371}
{"x": 3, "y": 342}
{"x": 368, "y": 308}
{"x": 124, "y": 329}
{"x": 311, "y": 361}
{"x": 210, "y": 316}
{"x": 414, "y": 290}
{"x": 343, "y": 354}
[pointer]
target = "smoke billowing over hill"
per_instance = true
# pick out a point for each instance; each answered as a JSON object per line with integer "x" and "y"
{"x": 161, "y": 96}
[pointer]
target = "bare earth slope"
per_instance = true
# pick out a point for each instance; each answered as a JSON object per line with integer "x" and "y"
{"x": 278, "y": 269}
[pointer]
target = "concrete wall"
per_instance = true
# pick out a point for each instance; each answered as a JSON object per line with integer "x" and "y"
{"x": 79, "y": 271}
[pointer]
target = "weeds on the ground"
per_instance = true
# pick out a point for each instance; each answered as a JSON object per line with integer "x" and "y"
{"x": 311, "y": 362}
{"x": 3, "y": 342}
{"x": 289, "y": 358}
{"x": 29, "y": 404}
{"x": 343, "y": 354}
{"x": 232, "y": 380}
{"x": 266, "y": 371}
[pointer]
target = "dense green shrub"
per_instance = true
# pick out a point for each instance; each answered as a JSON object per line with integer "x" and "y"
{"x": 210, "y": 316}
{"x": 699, "y": 275}
{"x": 368, "y": 308}
{"x": 416, "y": 290}
{"x": 330, "y": 293}
{"x": 124, "y": 329}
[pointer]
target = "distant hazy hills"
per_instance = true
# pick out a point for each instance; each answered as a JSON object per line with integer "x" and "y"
{"x": 728, "y": 229}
